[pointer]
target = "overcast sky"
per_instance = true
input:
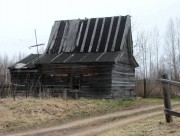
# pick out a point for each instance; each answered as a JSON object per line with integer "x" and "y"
{"x": 19, "y": 18}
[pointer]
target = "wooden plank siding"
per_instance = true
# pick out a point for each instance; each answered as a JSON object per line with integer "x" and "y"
{"x": 25, "y": 82}
{"x": 123, "y": 81}
{"x": 95, "y": 80}
{"x": 123, "y": 75}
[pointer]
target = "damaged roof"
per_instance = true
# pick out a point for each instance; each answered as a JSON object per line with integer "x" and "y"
{"x": 89, "y": 35}
{"x": 27, "y": 62}
{"x": 93, "y": 40}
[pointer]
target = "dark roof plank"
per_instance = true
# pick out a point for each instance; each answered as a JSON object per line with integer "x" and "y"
{"x": 125, "y": 33}
{"x": 89, "y": 34}
{"x": 84, "y": 22}
{"x": 70, "y": 36}
{"x": 63, "y": 38}
{"x": 120, "y": 34}
{"x": 97, "y": 34}
{"x": 85, "y": 36}
{"x": 116, "y": 33}
{"x": 105, "y": 34}
{"x": 112, "y": 35}
{"x": 93, "y": 35}
{"x": 53, "y": 36}
{"x": 79, "y": 34}
{"x": 102, "y": 28}
{"x": 59, "y": 36}
{"x": 109, "y": 34}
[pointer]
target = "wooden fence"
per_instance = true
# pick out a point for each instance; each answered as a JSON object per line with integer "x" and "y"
{"x": 167, "y": 98}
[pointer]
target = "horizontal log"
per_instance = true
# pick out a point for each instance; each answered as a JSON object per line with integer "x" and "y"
{"x": 175, "y": 83}
{"x": 170, "y": 112}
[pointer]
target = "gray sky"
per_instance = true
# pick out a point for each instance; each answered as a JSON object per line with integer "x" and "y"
{"x": 19, "y": 18}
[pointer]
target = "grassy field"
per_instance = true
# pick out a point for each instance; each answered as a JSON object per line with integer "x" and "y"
{"x": 155, "y": 126}
{"x": 30, "y": 113}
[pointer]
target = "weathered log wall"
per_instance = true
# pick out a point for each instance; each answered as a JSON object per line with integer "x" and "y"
{"x": 94, "y": 80}
{"x": 25, "y": 82}
{"x": 123, "y": 81}
{"x": 123, "y": 76}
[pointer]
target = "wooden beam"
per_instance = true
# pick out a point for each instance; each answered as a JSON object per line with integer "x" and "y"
{"x": 56, "y": 57}
{"x": 109, "y": 34}
{"x": 167, "y": 99}
{"x": 115, "y": 37}
{"x": 100, "y": 56}
{"x": 69, "y": 44}
{"x": 102, "y": 28}
{"x": 93, "y": 35}
{"x": 85, "y": 36}
{"x": 84, "y": 57}
{"x": 125, "y": 34}
{"x": 68, "y": 58}
{"x": 175, "y": 83}
{"x": 64, "y": 37}
{"x": 170, "y": 112}
{"x": 79, "y": 35}
{"x": 56, "y": 27}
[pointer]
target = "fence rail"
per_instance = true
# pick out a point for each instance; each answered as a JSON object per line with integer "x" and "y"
{"x": 167, "y": 98}
{"x": 170, "y": 112}
{"x": 170, "y": 82}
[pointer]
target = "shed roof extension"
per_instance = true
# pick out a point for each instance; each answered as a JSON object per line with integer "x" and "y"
{"x": 95, "y": 57}
{"x": 27, "y": 62}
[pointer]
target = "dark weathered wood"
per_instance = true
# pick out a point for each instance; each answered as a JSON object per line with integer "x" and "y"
{"x": 127, "y": 27}
{"x": 170, "y": 112}
{"x": 123, "y": 80}
{"x": 93, "y": 35}
{"x": 167, "y": 101}
{"x": 85, "y": 36}
{"x": 170, "y": 82}
{"x": 53, "y": 37}
{"x": 109, "y": 34}
{"x": 145, "y": 91}
{"x": 116, "y": 33}
{"x": 70, "y": 39}
{"x": 100, "y": 36}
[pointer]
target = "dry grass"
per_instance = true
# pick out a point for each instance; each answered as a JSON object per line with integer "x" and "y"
{"x": 154, "y": 89}
{"x": 155, "y": 126}
{"x": 29, "y": 113}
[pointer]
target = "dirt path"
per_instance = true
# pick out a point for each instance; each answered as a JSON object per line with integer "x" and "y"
{"x": 94, "y": 125}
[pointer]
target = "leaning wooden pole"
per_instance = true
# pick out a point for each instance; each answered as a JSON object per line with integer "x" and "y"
{"x": 145, "y": 91}
{"x": 167, "y": 99}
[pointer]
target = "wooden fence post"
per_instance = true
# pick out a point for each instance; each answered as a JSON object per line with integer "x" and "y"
{"x": 145, "y": 91}
{"x": 65, "y": 93}
{"x": 13, "y": 91}
{"x": 167, "y": 99}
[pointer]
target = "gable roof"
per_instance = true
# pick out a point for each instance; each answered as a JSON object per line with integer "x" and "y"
{"x": 94, "y": 40}
{"x": 89, "y": 35}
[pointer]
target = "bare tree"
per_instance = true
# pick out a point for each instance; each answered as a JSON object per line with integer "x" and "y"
{"x": 142, "y": 51}
{"x": 172, "y": 42}
{"x": 156, "y": 46}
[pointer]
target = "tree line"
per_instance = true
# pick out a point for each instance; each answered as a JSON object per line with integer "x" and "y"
{"x": 5, "y": 62}
{"x": 158, "y": 54}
